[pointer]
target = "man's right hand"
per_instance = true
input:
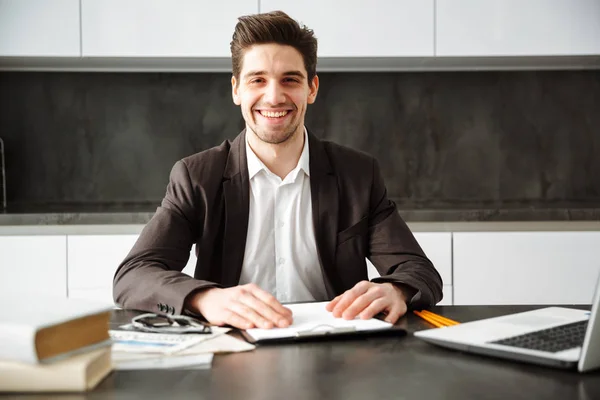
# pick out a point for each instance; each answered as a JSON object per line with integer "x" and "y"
{"x": 244, "y": 307}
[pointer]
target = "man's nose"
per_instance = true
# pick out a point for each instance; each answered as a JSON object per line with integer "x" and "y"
{"x": 274, "y": 94}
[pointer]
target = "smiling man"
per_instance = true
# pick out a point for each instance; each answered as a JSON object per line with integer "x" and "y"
{"x": 277, "y": 215}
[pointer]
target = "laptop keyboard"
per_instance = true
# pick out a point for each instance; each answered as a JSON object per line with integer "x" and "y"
{"x": 552, "y": 340}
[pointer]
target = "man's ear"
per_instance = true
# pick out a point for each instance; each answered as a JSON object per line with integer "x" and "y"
{"x": 313, "y": 89}
{"x": 234, "y": 91}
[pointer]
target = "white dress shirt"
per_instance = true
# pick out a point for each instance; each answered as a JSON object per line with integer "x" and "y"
{"x": 281, "y": 253}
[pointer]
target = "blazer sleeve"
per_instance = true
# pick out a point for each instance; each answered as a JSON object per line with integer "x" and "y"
{"x": 395, "y": 252}
{"x": 150, "y": 277}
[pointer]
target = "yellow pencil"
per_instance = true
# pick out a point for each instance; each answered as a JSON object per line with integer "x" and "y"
{"x": 431, "y": 321}
{"x": 443, "y": 320}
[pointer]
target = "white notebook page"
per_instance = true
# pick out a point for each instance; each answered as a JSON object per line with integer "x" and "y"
{"x": 314, "y": 317}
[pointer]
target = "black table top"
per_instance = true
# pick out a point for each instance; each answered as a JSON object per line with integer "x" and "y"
{"x": 374, "y": 368}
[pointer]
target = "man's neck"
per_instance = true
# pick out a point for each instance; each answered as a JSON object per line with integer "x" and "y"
{"x": 280, "y": 158}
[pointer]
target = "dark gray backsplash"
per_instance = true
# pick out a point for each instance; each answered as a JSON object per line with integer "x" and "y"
{"x": 444, "y": 139}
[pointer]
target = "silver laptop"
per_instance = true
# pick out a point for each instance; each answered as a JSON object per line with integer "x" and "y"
{"x": 553, "y": 336}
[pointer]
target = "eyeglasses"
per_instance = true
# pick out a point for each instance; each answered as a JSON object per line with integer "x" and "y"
{"x": 160, "y": 323}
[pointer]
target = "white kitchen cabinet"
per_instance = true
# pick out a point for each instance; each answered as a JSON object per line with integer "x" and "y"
{"x": 360, "y": 28}
{"x": 517, "y": 28}
{"x": 525, "y": 267}
{"x": 39, "y": 28}
{"x": 33, "y": 265}
{"x": 93, "y": 260}
{"x": 160, "y": 28}
{"x": 438, "y": 248}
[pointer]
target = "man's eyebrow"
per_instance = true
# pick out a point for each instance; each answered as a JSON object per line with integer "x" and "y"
{"x": 294, "y": 73}
{"x": 251, "y": 74}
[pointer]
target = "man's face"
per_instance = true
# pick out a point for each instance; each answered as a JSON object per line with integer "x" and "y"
{"x": 273, "y": 91}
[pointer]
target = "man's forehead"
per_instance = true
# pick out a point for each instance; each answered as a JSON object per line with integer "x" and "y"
{"x": 272, "y": 59}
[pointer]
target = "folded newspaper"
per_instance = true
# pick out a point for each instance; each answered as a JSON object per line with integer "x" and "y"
{"x": 128, "y": 340}
{"x": 133, "y": 350}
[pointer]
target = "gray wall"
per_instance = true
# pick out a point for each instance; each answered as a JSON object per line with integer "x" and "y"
{"x": 448, "y": 139}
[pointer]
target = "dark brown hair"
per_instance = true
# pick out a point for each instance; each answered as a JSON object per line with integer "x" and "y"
{"x": 273, "y": 27}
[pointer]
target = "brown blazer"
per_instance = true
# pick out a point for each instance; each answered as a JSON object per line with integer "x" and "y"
{"x": 207, "y": 202}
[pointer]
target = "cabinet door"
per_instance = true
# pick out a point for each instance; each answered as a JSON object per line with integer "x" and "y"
{"x": 34, "y": 265}
{"x": 438, "y": 248}
{"x": 41, "y": 28}
{"x": 360, "y": 28}
{"x": 160, "y": 28}
{"x": 93, "y": 260}
{"x": 517, "y": 28}
{"x": 525, "y": 267}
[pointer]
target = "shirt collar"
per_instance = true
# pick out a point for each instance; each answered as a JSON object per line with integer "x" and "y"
{"x": 255, "y": 165}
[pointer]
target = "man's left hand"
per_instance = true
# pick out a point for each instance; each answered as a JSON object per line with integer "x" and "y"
{"x": 367, "y": 299}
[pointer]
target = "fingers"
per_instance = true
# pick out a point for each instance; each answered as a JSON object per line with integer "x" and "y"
{"x": 394, "y": 310}
{"x": 236, "y": 320}
{"x": 331, "y": 305}
{"x": 248, "y": 313}
{"x": 347, "y": 298}
{"x": 395, "y": 313}
{"x": 374, "y": 294}
{"x": 238, "y": 307}
{"x": 375, "y": 308}
{"x": 367, "y": 299}
{"x": 262, "y": 308}
{"x": 270, "y": 300}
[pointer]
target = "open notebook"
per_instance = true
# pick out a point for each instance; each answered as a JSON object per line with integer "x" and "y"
{"x": 313, "y": 321}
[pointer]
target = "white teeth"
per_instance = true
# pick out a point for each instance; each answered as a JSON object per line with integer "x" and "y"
{"x": 272, "y": 114}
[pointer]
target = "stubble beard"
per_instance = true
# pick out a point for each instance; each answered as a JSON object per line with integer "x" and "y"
{"x": 275, "y": 137}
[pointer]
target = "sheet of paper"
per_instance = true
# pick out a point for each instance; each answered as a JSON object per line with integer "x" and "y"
{"x": 146, "y": 342}
{"x": 191, "y": 357}
{"x": 313, "y": 317}
{"x": 220, "y": 344}
{"x": 189, "y": 361}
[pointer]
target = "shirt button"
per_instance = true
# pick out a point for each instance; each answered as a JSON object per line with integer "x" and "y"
{"x": 280, "y": 224}
{"x": 281, "y": 261}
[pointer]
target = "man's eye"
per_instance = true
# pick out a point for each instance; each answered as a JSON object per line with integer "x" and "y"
{"x": 290, "y": 80}
{"x": 258, "y": 80}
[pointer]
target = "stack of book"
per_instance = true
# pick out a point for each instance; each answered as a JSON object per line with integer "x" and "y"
{"x": 54, "y": 345}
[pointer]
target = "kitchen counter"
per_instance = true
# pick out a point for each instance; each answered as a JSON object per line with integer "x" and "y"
{"x": 92, "y": 219}
{"x": 77, "y": 218}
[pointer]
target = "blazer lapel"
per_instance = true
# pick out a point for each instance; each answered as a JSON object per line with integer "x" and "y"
{"x": 324, "y": 197}
{"x": 236, "y": 195}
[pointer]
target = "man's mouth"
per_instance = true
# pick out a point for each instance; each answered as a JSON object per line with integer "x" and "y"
{"x": 273, "y": 114}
